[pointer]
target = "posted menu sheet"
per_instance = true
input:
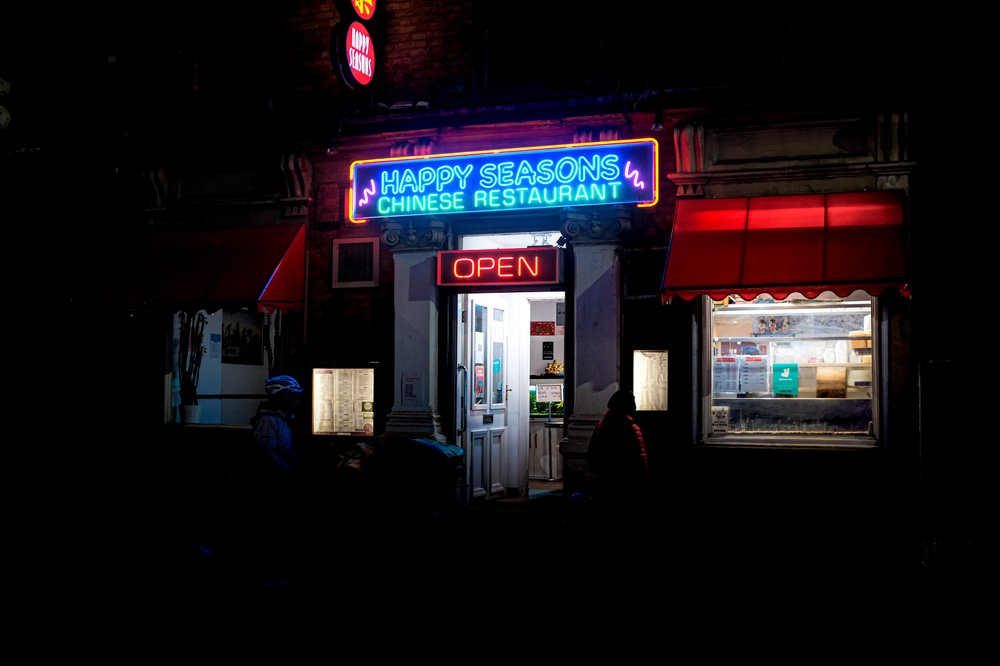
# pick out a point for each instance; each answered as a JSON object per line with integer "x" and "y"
{"x": 343, "y": 401}
{"x": 726, "y": 374}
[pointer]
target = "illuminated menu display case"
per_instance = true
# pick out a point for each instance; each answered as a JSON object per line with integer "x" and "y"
{"x": 343, "y": 401}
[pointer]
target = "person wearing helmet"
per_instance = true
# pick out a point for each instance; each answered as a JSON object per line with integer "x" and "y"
{"x": 273, "y": 423}
{"x": 275, "y": 490}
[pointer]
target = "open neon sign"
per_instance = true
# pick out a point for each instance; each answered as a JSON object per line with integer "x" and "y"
{"x": 583, "y": 174}
{"x": 527, "y": 265}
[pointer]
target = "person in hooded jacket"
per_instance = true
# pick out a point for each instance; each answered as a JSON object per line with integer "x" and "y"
{"x": 617, "y": 457}
{"x": 276, "y": 509}
{"x": 273, "y": 424}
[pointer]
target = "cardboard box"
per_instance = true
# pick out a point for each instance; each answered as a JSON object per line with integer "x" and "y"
{"x": 831, "y": 382}
{"x": 860, "y": 339}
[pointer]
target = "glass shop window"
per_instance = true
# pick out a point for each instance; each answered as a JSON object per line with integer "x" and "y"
{"x": 794, "y": 366}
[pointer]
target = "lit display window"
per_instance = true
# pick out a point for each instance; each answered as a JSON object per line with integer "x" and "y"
{"x": 793, "y": 366}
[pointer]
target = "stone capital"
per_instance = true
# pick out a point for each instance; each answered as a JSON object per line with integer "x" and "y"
{"x": 421, "y": 233}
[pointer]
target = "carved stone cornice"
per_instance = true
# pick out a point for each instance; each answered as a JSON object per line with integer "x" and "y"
{"x": 864, "y": 152}
{"x": 893, "y": 175}
{"x": 695, "y": 180}
{"x": 297, "y": 174}
{"x": 416, "y": 234}
{"x": 600, "y": 225}
{"x": 689, "y": 184}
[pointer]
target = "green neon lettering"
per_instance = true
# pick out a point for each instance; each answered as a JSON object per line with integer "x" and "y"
{"x": 488, "y": 175}
{"x": 463, "y": 175}
{"x": 610, "y": 167}
{"x": 566, "y": 170}
{"x": 390, "y": 182}
{"x": 408, "y": 180}
{"x": 506, "y": 176}
{"x": 590, "y": 169}
{"x": 545, "y": 173}
{"x": 524, "y": 172}
{"x": 426, "y": 176}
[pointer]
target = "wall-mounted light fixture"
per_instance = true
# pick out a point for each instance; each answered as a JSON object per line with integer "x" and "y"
{"x": 658, "y": 121}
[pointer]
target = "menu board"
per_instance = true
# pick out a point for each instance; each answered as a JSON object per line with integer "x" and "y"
{"x": 726, "y": 374}
{"x": 754, "y": 374}
{"x": 343, "y": 401}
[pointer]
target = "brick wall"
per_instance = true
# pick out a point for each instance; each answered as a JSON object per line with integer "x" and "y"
{"x": 424, "y": 49}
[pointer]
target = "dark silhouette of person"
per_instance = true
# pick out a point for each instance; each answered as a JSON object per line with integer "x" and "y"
{"x": 617, "y": 456}
{"x": 278, "y": 478}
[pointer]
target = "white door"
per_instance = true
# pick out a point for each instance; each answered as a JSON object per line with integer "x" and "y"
{"x": 487, "y": 397}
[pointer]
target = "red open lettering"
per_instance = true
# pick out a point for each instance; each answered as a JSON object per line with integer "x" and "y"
{"x": 518, "y": 266}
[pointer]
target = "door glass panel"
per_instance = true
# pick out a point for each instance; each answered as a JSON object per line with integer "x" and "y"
{"x": 498, "y": 338}
{"x": 479, "y": 355}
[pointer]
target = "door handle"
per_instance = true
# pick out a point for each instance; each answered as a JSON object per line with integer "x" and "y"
{"x": 506, "y": 397}
{"x": 464, "y": 393}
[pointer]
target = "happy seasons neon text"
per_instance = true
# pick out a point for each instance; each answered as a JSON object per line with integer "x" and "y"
{"x": 578, "y": 174}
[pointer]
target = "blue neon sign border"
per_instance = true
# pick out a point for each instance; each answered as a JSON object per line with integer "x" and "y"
{"x": 352, "y": 190}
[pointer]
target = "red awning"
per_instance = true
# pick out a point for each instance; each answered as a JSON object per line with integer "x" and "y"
{"x": 262, "y": 267}
{"x": 786, "y": 244}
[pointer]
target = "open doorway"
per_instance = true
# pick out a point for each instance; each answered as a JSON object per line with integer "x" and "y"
{"x": 510, "y": 404}
{"x": 546, "y": 350}
{"x": 510, "y": 355}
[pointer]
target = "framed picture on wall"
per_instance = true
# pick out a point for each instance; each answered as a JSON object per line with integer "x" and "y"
{"x": 243, "y": 337}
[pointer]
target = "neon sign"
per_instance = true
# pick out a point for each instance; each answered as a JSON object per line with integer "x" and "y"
{"x": 581, "y": 174}
{"x": 352, "y": 42}
{"x": 526, "y": 265}
{"x": 364, "y": 8}
{"x": 360, "y": 53}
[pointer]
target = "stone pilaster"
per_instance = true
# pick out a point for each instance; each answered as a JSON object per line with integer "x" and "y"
{"x": 414, "y": 246}
{"x": 596, "y": 323}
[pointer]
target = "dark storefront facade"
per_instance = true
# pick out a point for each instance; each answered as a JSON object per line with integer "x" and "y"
{"x": 768, "y": 300}
{"x": 787, "y": 228}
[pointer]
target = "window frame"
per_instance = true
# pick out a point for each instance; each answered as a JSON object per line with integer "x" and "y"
{"x": 707, "y": 438}
{"x": 335, "y": 269}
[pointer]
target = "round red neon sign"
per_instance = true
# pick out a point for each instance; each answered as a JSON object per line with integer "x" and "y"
{"x": 365, "y": 9}
{"x": 360, "y": 52}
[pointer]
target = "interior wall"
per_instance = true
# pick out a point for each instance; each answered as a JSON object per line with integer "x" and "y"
{"x": 545, "y": 312}
{"x": 218, "y": 378}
